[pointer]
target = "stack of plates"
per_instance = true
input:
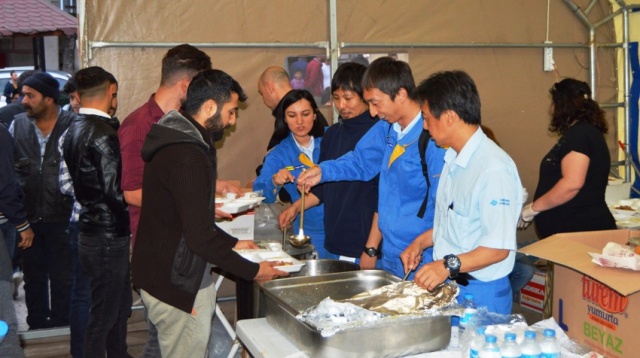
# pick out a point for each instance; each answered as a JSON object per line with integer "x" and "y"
{"x": 627, "y": 213}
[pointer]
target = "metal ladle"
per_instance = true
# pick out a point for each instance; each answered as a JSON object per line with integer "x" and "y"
{"x": 300, "y": 240}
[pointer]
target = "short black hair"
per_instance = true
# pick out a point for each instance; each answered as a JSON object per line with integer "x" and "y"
{"x": 211, "y": 84}
{"x": 70, "y": 86}
{"x": 23, "y": 77}
{"x": 348, "y": 77}
{"x": 282, "y": 129}
{"x": 93, "y": 81}
{"x": 183, "y": 60}
{"x": 389, "y": 75}
{"x": 451, "y": 90}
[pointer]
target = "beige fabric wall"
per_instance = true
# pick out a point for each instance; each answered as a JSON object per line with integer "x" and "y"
{"x": 512, "y": 85}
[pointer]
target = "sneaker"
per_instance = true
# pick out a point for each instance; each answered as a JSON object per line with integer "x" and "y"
{"x": 17, "y": 280}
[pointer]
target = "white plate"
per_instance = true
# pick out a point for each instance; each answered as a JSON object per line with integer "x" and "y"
{"x": 258, "y": 256}
{"x": 238, "y": 205}
{"x": 632, "y": 223}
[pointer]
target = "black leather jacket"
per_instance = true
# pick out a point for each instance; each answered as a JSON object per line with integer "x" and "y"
{"x": 92, "y": 152}
{"x": 38, "y": 176}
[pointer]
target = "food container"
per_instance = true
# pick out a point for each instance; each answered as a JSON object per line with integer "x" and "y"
{"x": 286, "y": 298}
{"x": 325, "y": 266}
{"x": 311, "y": 268}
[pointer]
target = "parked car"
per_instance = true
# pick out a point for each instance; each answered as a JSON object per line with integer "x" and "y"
{"x": 5, "y": 76}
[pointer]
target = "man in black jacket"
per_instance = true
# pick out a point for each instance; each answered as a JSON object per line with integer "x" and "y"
{"x": 92, "y": 154}
{"x": 178, "y": 239}
{"x": 47, "y": 262}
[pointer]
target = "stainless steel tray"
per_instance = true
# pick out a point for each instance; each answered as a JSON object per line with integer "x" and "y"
{"x": 287, "y": 297}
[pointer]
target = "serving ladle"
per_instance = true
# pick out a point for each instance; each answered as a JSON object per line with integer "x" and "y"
{"x": 300, "y": 240}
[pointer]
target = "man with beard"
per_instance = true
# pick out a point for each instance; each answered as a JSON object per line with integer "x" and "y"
{"x": 179, "y": 65}
{"x": 47, "y": 262}
{"x": 92, "y": 154}
{"x": 178, "y": 239}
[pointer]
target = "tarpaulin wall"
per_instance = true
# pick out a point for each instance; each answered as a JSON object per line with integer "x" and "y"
{"x": 511, "y": 81}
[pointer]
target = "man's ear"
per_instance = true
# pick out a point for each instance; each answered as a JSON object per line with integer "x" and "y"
{"x": 449, "y": 116}
{"x": 401, "y": 95}
{"x": 184, "y": 84}
{"x": 210, "y": 108}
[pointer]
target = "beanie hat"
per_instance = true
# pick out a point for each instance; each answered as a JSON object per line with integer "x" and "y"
{"x": 45, "y": 84}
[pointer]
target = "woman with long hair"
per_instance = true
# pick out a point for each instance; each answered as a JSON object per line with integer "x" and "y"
{"x": 575, "y": 173}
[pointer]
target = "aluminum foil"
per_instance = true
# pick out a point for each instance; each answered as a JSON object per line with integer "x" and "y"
{"x": 398, "y": 301}
{"x": 405, "y": 298}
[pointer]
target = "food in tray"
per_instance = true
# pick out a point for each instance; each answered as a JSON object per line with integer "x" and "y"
{"x": 285, "y": 262}
{"x": 624, "y": 207}
{"x": 282, "y": 263}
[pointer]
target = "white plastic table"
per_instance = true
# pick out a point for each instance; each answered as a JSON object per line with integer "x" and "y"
{"x": 264, "y": 341}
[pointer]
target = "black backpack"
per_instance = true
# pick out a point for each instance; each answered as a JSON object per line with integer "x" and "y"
{"x": 423, "y": 141}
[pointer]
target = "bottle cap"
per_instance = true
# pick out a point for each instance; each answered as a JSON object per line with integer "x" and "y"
{"x": 549, "y": 332}
{"x": 530, "y": 334}
{"x": 509, "y": 336}
{"x": 480, "y": 330}
{"x": 490, "y": 338}
{"x": 468, "y": 296}
{"x": 4, "y": 328}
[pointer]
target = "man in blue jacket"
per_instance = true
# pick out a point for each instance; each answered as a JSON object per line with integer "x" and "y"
{"x": 390, "y": 149}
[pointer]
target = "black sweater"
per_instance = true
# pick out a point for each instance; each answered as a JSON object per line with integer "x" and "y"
{"x": 177, "y": 234}
{"x": 348, "y": 205}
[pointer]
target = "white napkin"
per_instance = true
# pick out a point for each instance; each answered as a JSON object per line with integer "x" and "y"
{"x": 616, "y": 255}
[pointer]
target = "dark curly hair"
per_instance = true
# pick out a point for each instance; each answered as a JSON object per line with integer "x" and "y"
{"x": 572, "y": 102}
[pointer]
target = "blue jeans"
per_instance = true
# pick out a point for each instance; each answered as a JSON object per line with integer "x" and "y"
{"x": 80, "y": 297}
{"x": 10, "y": 346}
{"x": 522, "y": 273}
{"x": 106, "y": 261}
{"x": 48, "y": 260}
{"x": 9, "y": 233}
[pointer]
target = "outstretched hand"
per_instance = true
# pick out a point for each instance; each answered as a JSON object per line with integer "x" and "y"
{"x": 309, "y": 178}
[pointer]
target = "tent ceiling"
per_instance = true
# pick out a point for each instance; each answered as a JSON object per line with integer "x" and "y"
{"x": 34, "y": 18}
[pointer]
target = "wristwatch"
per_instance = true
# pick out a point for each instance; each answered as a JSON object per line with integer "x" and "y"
{"x": 371, "y": 251}
{"x": 452, "y": 263}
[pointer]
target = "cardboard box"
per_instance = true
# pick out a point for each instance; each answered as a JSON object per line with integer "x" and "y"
{"x": 532, "y": 295}
{"x": 598, "y": 307}
{"x": 241, "y": 227}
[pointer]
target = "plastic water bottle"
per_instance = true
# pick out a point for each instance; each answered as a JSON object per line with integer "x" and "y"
{"x": 477, "y": 342}
{"x": 490, "y": 349}
{"x": 529, "y": 348}
{"x": 470, "y": 310}
{"x": 549, "y": 347}
{"x": 4, "y": 328}
{"x": 510, "y": 348}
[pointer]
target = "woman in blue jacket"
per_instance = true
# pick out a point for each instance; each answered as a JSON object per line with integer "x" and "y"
{"x": 301, "y": 133}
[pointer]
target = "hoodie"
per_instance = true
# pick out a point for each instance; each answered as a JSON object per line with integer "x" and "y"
{"x": 177, "y": 235}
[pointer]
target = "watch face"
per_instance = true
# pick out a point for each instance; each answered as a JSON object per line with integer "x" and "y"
{"x": 453, "y": 262}
{"x": 371, "y": 251}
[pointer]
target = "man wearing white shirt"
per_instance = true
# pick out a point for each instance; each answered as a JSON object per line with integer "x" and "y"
{"x": 478, "y": 200}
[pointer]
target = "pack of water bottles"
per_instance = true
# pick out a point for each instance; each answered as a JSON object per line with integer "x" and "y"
{"x": 520, "y": 341}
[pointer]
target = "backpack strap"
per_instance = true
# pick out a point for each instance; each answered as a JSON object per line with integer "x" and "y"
{"x": 423, "y": 141}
